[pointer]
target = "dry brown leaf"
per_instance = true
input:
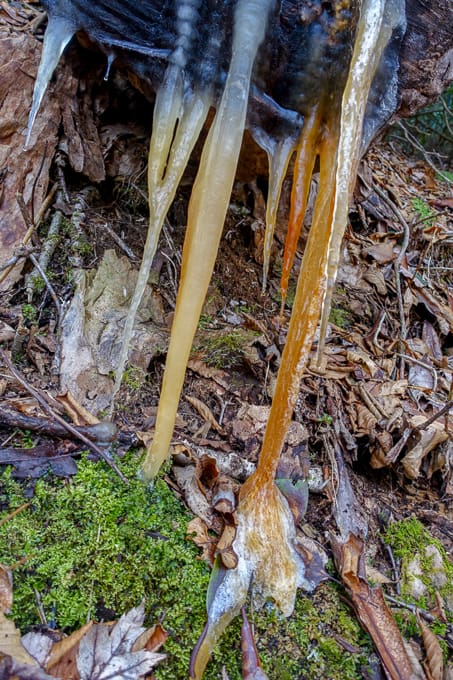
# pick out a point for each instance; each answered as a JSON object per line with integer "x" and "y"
{"x": 205, "y": 412}
{"x": 187, "y": 480}
{"x": 382, "y": 252}
{"x": 207, "y": 472}
{"x": 371, "y": 608}
{"x": 78, "y": 413}
{"x": 106, "y": 651}
{"x": 251, "y": 666}
{"x": 224, "y": 495}
{"x": 434, "y": 664}
{"x": 63, "y": 655}
{"x": 10, "y": 642}
{"x": 375, "y": 575}
{"x": 431, "y": 437}
{"x": 358, "y": 356}
{"x": 151, "y": 640}
{"x": 197, "y": 531}
{"x": 414, "y": 658}
{"x": 6, "y": 589}
{"x": 375, "y": 276}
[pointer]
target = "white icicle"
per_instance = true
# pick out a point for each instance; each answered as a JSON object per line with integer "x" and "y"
{"x": 58, "y": 34}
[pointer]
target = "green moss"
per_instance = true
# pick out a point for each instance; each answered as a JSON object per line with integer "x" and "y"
{"x": 340, "y": 317}
{"x": 423, "y": 211}
{"x": 222, "y": 349}
{"x": 409, "y": 539}
{"x": 133, "y": 378}
{"x": 30, "y": 312}
{"x": 96, "y": 547}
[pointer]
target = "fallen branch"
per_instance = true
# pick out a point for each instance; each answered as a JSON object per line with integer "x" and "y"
{"x": 47, "y": 409}
{"x": 101, "y": 433}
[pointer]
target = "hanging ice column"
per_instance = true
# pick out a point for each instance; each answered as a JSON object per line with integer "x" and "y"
{"x": 207, "y": 209}
{"x": 58, "y": 34}
{"x": 179, "y": 114}
{"x": 320, "y": 260}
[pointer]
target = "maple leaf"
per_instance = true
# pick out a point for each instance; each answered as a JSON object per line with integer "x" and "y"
{"x": 107, "y": 652}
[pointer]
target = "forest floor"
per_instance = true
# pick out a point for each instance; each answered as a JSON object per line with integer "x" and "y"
{"x": 82, "y": 544}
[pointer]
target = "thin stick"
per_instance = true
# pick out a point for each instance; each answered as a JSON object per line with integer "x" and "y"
{"x": 45, "y": 406}
{"x": 397, "y": 264}
{"x": 13, "y": 514}
{"x": 434, "y": 417}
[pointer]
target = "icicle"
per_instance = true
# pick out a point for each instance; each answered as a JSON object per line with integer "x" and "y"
{"x": 307, "y": 150}
{"x": 110, "y": 59}
{"x": 338, "y": 159}
{"x": 372, "y": 38}
{"x": 207, "y": 210}
{"x": 279, "y": 144}
{"x": 177, "y": 123}
{"x": 58, "y": 34}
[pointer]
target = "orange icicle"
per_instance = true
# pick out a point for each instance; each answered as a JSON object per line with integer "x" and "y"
{"x": 310, "y": 294}
{"x": 307, "y": 151}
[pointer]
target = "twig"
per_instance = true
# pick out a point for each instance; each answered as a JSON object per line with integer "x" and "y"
{"x": 31, "y": 226}
{"x": 413, "y": 141}
{"x": 45, "y": 406}
{"x": 413, "y": 608}
{"x": 13, "y": 513}
{"x": 397, "y": 264}
{"x": 434, "y": 417}
{"x": 103, "y": 433}
{"x": 48, "y": 285}
{"x": 395, "y": 570}
{"x": 119, "y": 241}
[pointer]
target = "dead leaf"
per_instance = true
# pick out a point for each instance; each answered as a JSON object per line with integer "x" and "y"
{"x": 429, "y": 438}
{"x": 79, "y": 414}
{"x": 6, "y": 589}
{"x": 63, "y": 655}
{"x": 434, "y": 665}
{"x": 106, "y": 651}
{"x": 251, "y": 667}
{"x": 371, "y": 608}
{"x": 224, "y": 495}
{"x": 38, "y": 645}
{"x": 152, "y": 639}
{"x": 205, "y": 412}
{"x": 11, "y": 669}
{"x": 187, "y": 480}
{"x": 10, "y": 642}
{"x": 197, "y": 531}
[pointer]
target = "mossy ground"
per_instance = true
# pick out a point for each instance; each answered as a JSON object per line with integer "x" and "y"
{"x": 409, "y": 539}
{"x": 96, "y": 547}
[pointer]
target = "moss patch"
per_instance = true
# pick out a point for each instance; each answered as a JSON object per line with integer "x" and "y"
{"x": 97, "y": 547}
{"x": 424, "y": 566}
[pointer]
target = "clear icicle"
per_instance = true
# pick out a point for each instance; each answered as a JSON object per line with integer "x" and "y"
{"x": 278, "y": 158}
{"x": 207, "y": 209}
{"x": 58, "y": 34}
{"x": 168, "y": 158}
{"x": 373, "y": 34}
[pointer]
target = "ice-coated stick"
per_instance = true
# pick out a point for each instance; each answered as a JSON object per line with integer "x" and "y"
{"x": 207, "y": 209}
{"x": 307, "y": 151}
